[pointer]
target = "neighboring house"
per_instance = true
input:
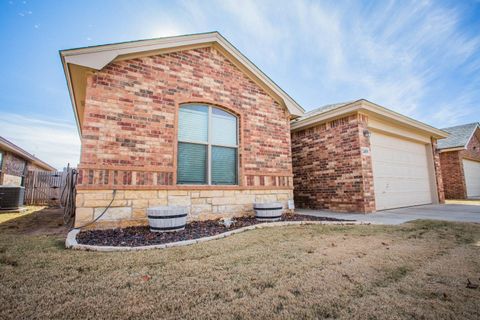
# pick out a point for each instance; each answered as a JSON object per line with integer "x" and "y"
{"x": 460, "y": 161}
{"x": 15, "y": 162}
{"x": 361, "y": 157}
{"x": 177, "y": 121}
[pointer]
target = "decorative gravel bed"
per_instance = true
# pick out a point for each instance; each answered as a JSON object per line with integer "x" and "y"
{"x": 141, "y": 236}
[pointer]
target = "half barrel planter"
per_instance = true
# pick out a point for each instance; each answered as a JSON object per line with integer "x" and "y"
{"x": 270, "y": 211}
{"x": 167, "y": 219}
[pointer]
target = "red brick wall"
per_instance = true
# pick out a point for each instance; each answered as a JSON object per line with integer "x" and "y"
{"x": 452, "y": 175}
{"x": 13, "y": 165}
{"x": 329, "y": 170}
{"x": 452, "y": 168}
{"x": 473, "y": 148}
{"x": 129, "y": 130}
{"x": 12, "y": 168}
{"x": 438, "y": 172}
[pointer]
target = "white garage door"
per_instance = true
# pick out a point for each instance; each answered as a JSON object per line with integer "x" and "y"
{"x": 472, "y": 177}
{"x": 400, "y": 172}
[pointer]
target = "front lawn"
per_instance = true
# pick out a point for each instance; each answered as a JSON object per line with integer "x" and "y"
{"x": 417, "y": 270}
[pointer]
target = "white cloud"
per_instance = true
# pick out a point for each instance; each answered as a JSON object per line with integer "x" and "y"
{"x": 464, "y": 106}
{"x": 166, "y": 29}
{"x": 394, "y": 53}
{"x": 50, "y": 140}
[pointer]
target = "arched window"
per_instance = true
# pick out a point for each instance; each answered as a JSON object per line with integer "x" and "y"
{"x": 207, "y": 146}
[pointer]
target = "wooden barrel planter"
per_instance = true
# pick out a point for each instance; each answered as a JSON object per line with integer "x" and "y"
{"x": 271, "y": 211}
{"x": 167, "y": 219}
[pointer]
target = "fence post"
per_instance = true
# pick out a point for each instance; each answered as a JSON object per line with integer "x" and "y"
{"x": 33, "y": 187}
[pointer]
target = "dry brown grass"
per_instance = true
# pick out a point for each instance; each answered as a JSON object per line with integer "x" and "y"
{"x": 417, "y": 270}
{"x": 475, "y": 202}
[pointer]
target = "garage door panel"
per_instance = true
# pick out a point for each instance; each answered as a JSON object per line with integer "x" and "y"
{"x": 390, "y": 156}
{"x": 472, "y": 177}
{"x": 402, "y": 185}
{"x": 401, "y": 172}
{"x": 400, "y": 200}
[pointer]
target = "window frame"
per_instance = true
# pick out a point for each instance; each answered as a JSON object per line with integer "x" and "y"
{"x": 209, "y": 143}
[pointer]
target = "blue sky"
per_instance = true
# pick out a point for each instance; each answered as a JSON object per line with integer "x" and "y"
{"x": 420, "y": 58}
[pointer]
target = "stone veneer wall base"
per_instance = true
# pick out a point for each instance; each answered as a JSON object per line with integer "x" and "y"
{"x": 130, "y": 206}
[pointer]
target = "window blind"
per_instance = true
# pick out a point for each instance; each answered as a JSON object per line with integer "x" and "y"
{"x": 224, "y": 165}
{"x": 193, "y": 123}
{"x": 192, "y": 163}
{"x": 224, "y": 128}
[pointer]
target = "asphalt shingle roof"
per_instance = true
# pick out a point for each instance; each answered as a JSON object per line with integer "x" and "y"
{"x": 322, "y": 109}
{"x": 459, "y": 136}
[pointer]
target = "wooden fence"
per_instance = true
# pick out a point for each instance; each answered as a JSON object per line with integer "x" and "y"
{"x": 44, "y": 188}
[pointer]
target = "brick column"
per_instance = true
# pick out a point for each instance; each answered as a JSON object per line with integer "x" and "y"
{"x": 368, "y": 202}
{"x": 453, "y": 179}
{"x": 438, "y": 172}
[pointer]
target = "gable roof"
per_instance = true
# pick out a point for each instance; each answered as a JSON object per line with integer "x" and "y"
{"x": 459, "y": 136}
{"x": 321, "y": 110}
{"x": 78, "y": 62}
{"x": 13, "y": 148}
{"x": 336, "y": 110}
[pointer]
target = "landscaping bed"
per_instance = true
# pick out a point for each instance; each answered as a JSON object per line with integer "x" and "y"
{"x": 142, "y": 236}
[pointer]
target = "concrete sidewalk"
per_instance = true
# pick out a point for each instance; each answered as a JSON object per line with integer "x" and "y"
{"x": 447, "y": 212}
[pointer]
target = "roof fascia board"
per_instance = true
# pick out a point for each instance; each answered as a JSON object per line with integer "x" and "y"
{"x": 98, "y": 57}
{"x": 68, "y": 79}
{"x": 365, "y": 105}
{"x": 25, "y": 155}
{"x": 170, "y": 41}
{"x": 373, "y": 107}
{"x": 452, "y": 149}
{"x": 471, "y": 136}
{"x": 17, "y": 151}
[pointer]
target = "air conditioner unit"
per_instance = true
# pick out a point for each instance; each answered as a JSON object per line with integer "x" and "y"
{"x": 11, "y": 197}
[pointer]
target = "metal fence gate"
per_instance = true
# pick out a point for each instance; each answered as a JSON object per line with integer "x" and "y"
{"x": 44, "y": 188}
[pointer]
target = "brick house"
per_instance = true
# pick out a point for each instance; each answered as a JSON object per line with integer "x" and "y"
{"x": 15, "y": 162}
{"x": 361, "y": 157}
{"x": 460, "y": 161}
{"x": 182, "y": 120}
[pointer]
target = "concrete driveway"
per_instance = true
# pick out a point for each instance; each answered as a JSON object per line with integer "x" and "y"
{"x": 448, "y": 212}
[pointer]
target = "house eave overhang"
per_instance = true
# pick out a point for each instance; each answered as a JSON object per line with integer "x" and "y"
{"x": 10, "y": 147}
{"x": 366, "y": 106}
{"x": 97, "y": 57}
{"x": 70, "y": 93}
{"x": 452, "y": 149}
